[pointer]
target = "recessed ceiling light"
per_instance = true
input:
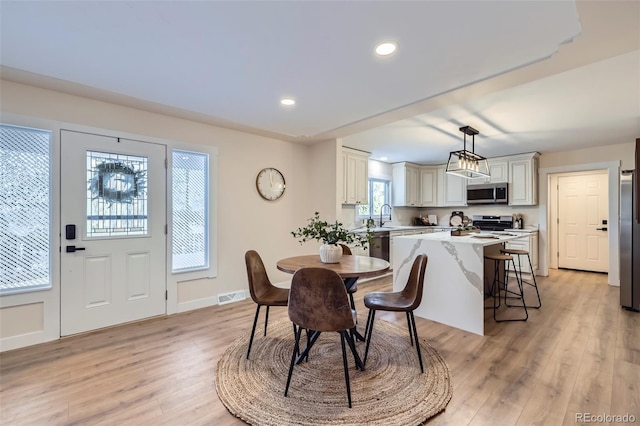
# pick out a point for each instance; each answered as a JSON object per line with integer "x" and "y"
{"x": 383, "y": 158}
{"x": 386, "y": 48}
{"x": 288, "y": 101}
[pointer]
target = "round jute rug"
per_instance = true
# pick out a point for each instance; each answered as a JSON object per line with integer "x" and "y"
{"x": 390, "y": 391}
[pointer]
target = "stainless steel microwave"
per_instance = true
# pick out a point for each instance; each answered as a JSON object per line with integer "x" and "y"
{"x": 490, "y": 193}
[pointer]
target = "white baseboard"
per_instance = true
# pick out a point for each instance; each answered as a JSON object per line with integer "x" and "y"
{"x": 197, "y": 304}
{"x": 21, "y": 341}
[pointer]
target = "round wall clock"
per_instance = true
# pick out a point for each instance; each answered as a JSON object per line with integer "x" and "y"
{"x": 270, "y": 183}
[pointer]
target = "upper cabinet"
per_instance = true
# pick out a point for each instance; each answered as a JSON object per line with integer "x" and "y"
{"x": 523, "y": 180}
{"x": 453, "y": 189}
{"x": 426, "y": 186}
{"x": 406, "y": 184}
{"x": 430, "y": 186}
{"x": 355, "y": 167}
{"x": 498, "y": 169}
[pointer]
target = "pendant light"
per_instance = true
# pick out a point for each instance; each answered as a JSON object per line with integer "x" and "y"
{"x": 468, "y": 164}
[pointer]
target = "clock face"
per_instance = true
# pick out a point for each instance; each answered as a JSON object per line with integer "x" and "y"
{"x": 270, "y": 184}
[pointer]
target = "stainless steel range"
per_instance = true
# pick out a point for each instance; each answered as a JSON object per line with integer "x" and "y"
{"x": 492, "y": 223}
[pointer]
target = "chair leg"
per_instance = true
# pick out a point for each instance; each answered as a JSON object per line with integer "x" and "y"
{"x": 353, "y": 303}
{"x": 354, "y": 352}
{"x": 372, "y": 317}
{"x": 415, "y": 336}
{"x": 295, "y": 331}
{"x": 535, "y": 284}
{"x": 343, "y": 337}
{"x": 296, "y": 349}
{"x": 409, "y": 327}
{"x": 253, "y": 330}
{"x": 520, "y": 296}
{"x": 266, "y": 321}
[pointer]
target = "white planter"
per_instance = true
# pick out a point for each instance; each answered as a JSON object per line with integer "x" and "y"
{"x": 330, "y": 253}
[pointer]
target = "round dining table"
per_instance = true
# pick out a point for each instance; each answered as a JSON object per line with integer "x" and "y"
{"x": 350, "y": 266}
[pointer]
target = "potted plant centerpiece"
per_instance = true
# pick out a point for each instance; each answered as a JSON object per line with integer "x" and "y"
{"x": 331, "y": 234}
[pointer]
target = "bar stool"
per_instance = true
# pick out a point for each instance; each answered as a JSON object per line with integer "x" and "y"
{"x": 503, "y": 286}
{"x": 519, "y": 252}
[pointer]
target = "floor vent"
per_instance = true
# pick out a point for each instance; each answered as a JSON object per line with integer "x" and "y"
{"x": 234, "y": 296}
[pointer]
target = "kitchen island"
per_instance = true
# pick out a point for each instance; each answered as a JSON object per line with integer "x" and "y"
{"x": 454, "y": 287}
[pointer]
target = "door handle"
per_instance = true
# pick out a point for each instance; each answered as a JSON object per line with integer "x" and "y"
{"x": 73, "y": 249}
{"x": 601, "y": 229}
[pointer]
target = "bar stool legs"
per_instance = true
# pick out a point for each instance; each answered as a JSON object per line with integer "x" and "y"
{"x": 498, "y": 287}
{"x": 534, "y": 284}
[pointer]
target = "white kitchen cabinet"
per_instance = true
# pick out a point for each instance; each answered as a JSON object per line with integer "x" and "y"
{"x": 428, "y": 186}
{"x": 406, "y": 184}
{"x": 530, "y": 244}
{"x": 523, "y": 180}
{"x": 498, "y": 169}
{"x": 393, "y": 234}
{"x": 454, "y": 189}
{"x": 355, "y": 185}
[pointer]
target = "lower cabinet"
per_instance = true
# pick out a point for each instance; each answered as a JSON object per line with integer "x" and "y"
{"x": 529, "y": 244}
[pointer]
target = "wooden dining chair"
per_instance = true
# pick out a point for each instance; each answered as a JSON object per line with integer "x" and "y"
{"x": 318, "y": 301}
{"x": 406, "y": 300}
{"x": 262, "y": 291}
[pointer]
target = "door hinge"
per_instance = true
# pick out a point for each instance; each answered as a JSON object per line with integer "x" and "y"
{"x": 558, "y": 221}
{"x": 166, "y": 230}
{"x": 166, "y": 295}
{"x": 166, "y": 163}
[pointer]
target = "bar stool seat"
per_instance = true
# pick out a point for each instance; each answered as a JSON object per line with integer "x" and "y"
{"x": 498, "y": 287}
{"x": 534, "y": 284}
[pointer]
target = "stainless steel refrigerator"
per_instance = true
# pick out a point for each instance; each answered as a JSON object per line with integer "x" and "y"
{"x": 629, "y": 242}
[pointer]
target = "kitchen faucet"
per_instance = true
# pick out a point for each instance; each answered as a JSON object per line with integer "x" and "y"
{"x": 382, "y": 208}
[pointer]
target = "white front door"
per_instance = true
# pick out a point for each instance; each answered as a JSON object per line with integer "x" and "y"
{"x": 582, "y": 207}
{"x": 113, "y": 192}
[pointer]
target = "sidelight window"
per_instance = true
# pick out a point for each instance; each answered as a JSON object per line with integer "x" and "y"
{"x": 190, "y": 219}
{"x": 25, "y": 209}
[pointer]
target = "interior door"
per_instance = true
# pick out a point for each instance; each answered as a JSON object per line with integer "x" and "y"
{"x": 113, "y": 231}
{"x": 582, "y": 222}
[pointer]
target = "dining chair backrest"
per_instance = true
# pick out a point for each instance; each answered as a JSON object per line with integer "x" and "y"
{"x": 318, "y": 301}
{"x": 415, "y": 283}
{"x": 345, "y": 249}
{"x": 259, "y": 283}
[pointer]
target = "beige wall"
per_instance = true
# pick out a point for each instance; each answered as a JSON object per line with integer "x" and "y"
{"x": 620, "y": 152}
{"x": 245, "y": 220}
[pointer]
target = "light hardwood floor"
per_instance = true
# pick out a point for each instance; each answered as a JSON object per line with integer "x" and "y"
{"x": 579, "y": 353}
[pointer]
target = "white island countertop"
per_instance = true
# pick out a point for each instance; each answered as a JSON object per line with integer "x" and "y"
{"x": 454, "y": 287}
{"x": 480, "y": 239}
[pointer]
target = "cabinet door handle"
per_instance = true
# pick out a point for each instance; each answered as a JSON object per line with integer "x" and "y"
{"x": 601, "y": 229}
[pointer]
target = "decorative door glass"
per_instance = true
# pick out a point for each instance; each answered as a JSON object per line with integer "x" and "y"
{"x": 116, "y": 195}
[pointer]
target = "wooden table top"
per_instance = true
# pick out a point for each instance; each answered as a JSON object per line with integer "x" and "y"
{"x": 349, "y": 266}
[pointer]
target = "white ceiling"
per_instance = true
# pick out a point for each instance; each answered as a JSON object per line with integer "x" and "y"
{"x": 529, "y": 75}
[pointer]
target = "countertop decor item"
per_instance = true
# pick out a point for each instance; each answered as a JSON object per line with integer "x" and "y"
{"x": 331, "y": 234}
{"x": 464, "y": 230}
{"x": 317, "y": 391}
